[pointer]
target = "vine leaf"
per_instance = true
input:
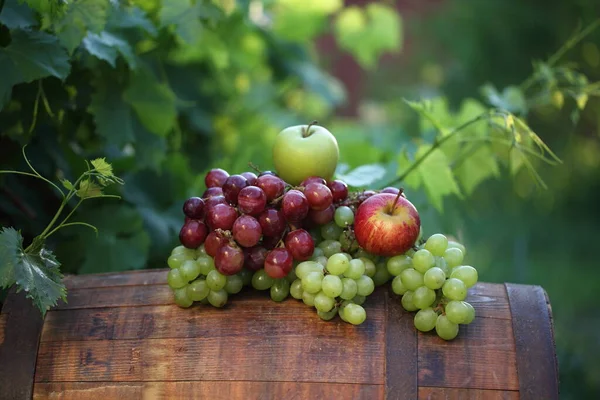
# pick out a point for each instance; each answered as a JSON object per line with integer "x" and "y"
{"x": 80, "y": 17}
{"x": 184, "y": 16}
{"x": 17, "y": 15}
{"x": 88, "y": 188}
{"x": 67, "y": 184}
{"x": 30, "y": 56}
{"x": 363, "y": 176}
{"x": 104, "y": 168}
{"x": 476, "y": 168}
{"x": 34, "y": 270}
{"x": 106, "y": 46}
{"x": 132, "y": 17}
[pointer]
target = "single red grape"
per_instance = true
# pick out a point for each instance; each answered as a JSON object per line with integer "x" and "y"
{"x": 272, "y": 222}
{"x": 252, "y": 200}
{"x": 212, "y": 192}
{"x": 215, "y": 177}
{"x": 318, "y": 195}
{"x": 232, "y": 187}
{"x": 279, "y": 263}
{"x": 300, "y": 244}
{"x": 255, "y": 257}
{"x": 194, "y": 208}
{"x": 272, "y": 185}
{"x": 192, "y": 234}
{"x": 294, "y": 206}
{"x": 250, "y": 177}
{"x": 213, "y": 201}
{"x": 267, "y": 173}
{"x": 221, "y": 216}
{"x": 313, "y": 179}
{"x": 339, "y": 190}
{"x": 229, "y": 259}
{"x": 322, "y": 217}
{"x": 213, "y": 241}
{"x": 246, "y": 231}
{"x": 390, "y": 189}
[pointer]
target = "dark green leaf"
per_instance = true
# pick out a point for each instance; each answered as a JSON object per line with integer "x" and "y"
{"x": 80, "y": 17}
{"x": 17, "y": 15}
{"x": 131, "y": 17}
{"x": 363, "y": 176}
{"x": 184, "y": 16}
{"x": 153, "y": 102}
{"x": 106, "y": 45}
{"x": 35, "y": 270}
{"x": 150, "y": 149}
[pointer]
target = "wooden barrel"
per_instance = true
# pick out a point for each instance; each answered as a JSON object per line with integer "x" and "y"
{"x": 121, "y": 337}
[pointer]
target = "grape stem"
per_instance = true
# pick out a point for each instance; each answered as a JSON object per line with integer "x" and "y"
{"x": 306, "y": 132}
{"x": 254, "y": 167}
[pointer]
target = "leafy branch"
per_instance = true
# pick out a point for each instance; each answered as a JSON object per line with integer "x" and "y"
{"x": 34, "y": 269}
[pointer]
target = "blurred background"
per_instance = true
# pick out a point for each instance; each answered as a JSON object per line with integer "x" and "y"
{"x": 167, "y": 90}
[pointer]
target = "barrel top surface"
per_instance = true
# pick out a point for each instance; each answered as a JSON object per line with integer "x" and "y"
{"x": 121, "y": 335}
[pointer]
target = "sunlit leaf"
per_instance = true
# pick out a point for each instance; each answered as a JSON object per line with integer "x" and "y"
{"x": 106, "y": 46}
{"x": 87, "y": 189}
{"x": 80, "y": 17}
{"x": 364, "y": 175}
{"x": 104, "y": 168}
{"x": 476, "y": 166}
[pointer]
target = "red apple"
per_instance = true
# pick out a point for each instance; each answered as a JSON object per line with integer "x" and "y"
{"x": 387, "y": 224}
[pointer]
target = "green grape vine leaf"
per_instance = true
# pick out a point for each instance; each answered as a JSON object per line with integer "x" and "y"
{"x": 30, "y": 56}
{"x": 363, "y": 176}
{"x": 107, "y": 46}
{"x": 130, "y": 18}
{"x": 79, "y": 18}
{"x": 184, "y": 16}
{"x": 34, "y": 270}
{"x": 17, "y": 15}
{"x": 478, "y": 165}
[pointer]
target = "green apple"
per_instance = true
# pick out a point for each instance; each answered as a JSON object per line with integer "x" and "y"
{"x": 305, "y": 150}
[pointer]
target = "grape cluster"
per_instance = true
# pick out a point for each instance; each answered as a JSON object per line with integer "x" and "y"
{"x": 259, "y": 231}
{"x": 432, "y": 280}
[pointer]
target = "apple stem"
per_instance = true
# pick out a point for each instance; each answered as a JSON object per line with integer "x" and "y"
{"x": 397, "y": 198}
{"x": 307, "y": 130}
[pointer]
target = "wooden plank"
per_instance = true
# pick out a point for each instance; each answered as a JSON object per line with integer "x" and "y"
{"x": 435, "y": 393}
{"x": 117, "y": 297}
{"x": 481, "y": 357}
{"x": 3, "y": 318}
{"x": 401, "y": 351}
{"x": 111, "y": 279}
{"x": 206, "y": 389}
{"x": 489, "y": 300}
{"x": 250, "y": 310}
{"x": 18, "y": 350}
{"x": 534, "y": 341}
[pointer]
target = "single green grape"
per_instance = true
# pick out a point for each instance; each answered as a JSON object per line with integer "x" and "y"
{"x": 246, "y": 276}
{"x": 349, "y": 288}
{"x": 471, "y": 315}
{"x": 454, "y": 289}
{"x": 331, "y": 247}
{"x": 329, "y": 315}
{"x": 397, "y": 264}
{"x": 312, "y": 282}
{"x": 296, "y": 289}
{"x": 206, "y": 264}
{"x": 364, "y": 286}
{"x": 337, "y": 264}
{"x": 291, "y": 276}
{"x": 445, "y": 328}
{"x": 280, "y": 289}
{"x": 454, "y": 257}
{"x": 425, "y": 319}
{"x": 262, "y": 281}
{"x": 397, "y": 286}
{"x": 382, "y": 275}
{"x": 457, "y": 311}
{"x": 423, "y": 297}
{"x": 323, "y": 302}
{"x": 188, "y": 254}
{"x": 441, "y": 263}
{"x": 343, "y": 216}
{"x": 437, "y": 244}
{"x": 434, "y": 278}
{"x": 360, "y": 253}
{"x": 347, "y": 255}
{"x": 356, "y": 269}
{"x": 318, "y": 252}
{"x": 215, "y": 280}
{"x": 331, "y": 231}
{"x": 308, "y": 298}
{"x": 355, "y": 314}
{"x": 307, "y": 266}
{"x": 332, "y": 286}
{"x": 423, "y": 260}
{"x": 200, "y": 251}
{"x": 465, "y": 273}
{"x": 217, "y": 298}
{"x": 197, "y": 290}
{"x": 407, "y": 301}
{"x": 358, "y": 299}
{"x": 189, "y": 270}
{"x": 322, "y": 261}
{"x": 370, "y": 267}
{"x": 453, "y": 244}
{"x": 175, "y": 279}
{"x": 234, "y": 284}
{"x": 411, "y": 279}
{"x": 342, "y": 306}
{"x": 175, "y": 260}
{"x": 181, "y": 297}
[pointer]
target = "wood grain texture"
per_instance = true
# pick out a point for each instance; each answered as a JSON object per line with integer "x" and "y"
{"x": 534, "y": 342}
{"x": 118, "y": 297}
{"x": 489, "y": 300}
{"x": 433, "y": 393}
{"x": 3, "y": 318}
{"x": 401, "y": 351}
{"x": 481, "y": 357}
{"x": 206, "y": 389}
{"x": 111, "y": 279}
{"x": 18, "y": 351}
